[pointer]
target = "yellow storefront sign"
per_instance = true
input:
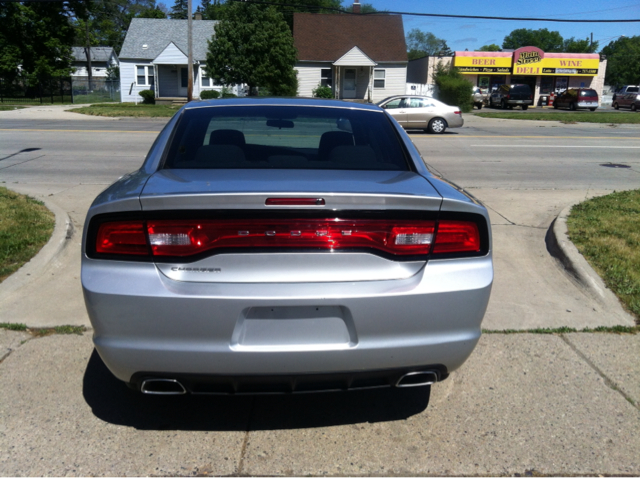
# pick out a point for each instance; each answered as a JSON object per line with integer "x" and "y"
{"x": 483, "y": 65}
{"x": 527, "y": 61}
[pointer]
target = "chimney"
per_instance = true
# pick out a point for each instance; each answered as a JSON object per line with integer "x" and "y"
{"x": 197, "y": 16}
{"x": 356, "y": 6}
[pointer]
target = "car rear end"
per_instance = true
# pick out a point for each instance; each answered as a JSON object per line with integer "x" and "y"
{"x": 587, "y": 98}
{"x": 519, "y": 95}
{"x": 281, "y": 269}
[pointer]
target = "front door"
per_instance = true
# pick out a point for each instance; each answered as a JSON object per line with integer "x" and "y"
{"x": 183, "y": 81}
{"x": 349, "y": 83}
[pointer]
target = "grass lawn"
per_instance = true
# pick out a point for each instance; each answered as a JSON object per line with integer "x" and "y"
{"x": 606, "y": 230}
{"x": 10, "y": 107}
{"x": 570, "y": 117}
{"x": 128, "y": 109}
{"x": 25, "y": 226}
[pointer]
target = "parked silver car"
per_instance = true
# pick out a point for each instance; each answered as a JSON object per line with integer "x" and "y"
{"x": 422, "y": 112}
{"x": 284, "y": 246}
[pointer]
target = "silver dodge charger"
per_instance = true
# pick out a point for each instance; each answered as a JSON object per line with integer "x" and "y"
{"x": 278, "y": 246}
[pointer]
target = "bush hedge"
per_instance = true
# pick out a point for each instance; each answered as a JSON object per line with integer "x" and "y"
{"x": 148, "y": 97}
{"x": 209, "y": 94}
{"x": 454, "y": 89}
{"x": 322, "y": 92}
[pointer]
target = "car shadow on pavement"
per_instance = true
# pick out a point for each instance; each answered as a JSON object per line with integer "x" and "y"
{"x": 112, "y": 402}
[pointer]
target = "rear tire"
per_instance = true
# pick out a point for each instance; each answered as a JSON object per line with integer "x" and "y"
{"x": 503, "y": 104}
{"x": 592, "y": 109}
{"x": 634, "y": 108}
{"x": 479, "y": 105}
{"x": 555, "y": 106}
{"x": 616, "y": 106}
{"x": 437, "y": 126}
{"x": 525, "y": 107}
{"x": 572, "y": 106}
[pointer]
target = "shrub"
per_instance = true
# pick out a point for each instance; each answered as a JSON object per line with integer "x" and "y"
{"x": 454, "y": 89}
{"x": 322, "y": 92}
{"x": 209, "y": 94}
{"x": 226, "y": 93}
{"x": 148, "y": 97}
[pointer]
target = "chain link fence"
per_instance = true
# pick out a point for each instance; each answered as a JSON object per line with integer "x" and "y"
{"x": 58, "y": 90}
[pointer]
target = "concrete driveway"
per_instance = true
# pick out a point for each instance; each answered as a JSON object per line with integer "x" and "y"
{"x": 523, "y": 404}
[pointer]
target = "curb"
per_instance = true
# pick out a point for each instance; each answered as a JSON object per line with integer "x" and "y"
{"x": 576, "y": 265}
{"x": 62, "y": 232}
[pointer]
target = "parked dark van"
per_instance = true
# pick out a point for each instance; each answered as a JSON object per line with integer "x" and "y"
{"x": 508, "y": 96}
{"x": 575, "y": 98}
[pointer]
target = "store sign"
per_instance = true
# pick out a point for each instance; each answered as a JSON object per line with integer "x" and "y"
{"x": 483, "y": 65}
{"x": 570, "y": 66}
{"x": 527, "y": 61}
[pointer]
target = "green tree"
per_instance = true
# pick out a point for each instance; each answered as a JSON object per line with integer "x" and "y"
{"x": 623, "y": 61}
{"x": 453, "y": 88}
{"x": 212, "y": 9}
{"x": 151, "y": 12}
{"x": 36, "y": 38}
{"x": 421, "y": 44}
{"x": 571, "y": 45}
{"x": 544, "y": 39}
{"x": 253, "y": 45}
{"x": 491, "y": 47}
{"x": 106, "y": 21}
{"x": 179, "y": 10}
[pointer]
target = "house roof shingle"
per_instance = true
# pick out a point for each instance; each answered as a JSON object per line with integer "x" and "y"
{"x": 327, "y": 37}
{"x": 98, "y": 53}
{"x": 157, "y": 33}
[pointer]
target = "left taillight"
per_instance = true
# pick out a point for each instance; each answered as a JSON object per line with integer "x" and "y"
{"x": 122, "y": 237}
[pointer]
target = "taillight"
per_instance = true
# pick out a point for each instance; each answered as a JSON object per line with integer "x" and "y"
{"x": 457, "y": 112}
{"x": 183, "y": 238}
{"x": 508, "y": 97}
{"x": 457, "y": 236}
{"x": 123, "y": 237}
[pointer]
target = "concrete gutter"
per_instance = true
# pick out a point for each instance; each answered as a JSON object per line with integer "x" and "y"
{"x": 577, "y": 266}
{"x": 62, "y": 232}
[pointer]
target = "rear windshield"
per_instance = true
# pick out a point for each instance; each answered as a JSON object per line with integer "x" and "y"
{"x": 632, "y": 89}
{"x": 285, "y": 137}
{"x": 521, "y": 89}
{"x": 588, "y": 93}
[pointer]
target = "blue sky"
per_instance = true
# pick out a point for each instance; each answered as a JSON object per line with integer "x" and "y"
{"x": 472, "y": 34}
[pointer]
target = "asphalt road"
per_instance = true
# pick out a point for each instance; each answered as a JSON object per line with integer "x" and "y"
{"x": 525, "y": 403}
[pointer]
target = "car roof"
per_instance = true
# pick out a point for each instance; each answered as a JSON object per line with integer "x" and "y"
{"x": 266, "y": 101}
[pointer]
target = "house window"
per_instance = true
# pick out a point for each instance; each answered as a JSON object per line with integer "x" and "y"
{"x": 205, "y": 81}
{"x": 378, "y": 78}
{"x": 326, "y": 77}
{"x": 144, "y": 75}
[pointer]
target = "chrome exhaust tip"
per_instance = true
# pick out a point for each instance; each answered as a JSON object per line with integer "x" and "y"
{"x": 417, "y": 379}
{"x": 162, "y": 386}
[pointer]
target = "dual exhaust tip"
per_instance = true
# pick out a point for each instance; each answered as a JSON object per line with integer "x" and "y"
{"x": 170, "y": 386}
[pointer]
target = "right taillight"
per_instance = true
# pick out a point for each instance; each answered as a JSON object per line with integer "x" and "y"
{"x": 457, "y": 236}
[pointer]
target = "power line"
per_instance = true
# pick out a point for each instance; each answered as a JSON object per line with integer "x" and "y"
{"x": 438, "y": 15}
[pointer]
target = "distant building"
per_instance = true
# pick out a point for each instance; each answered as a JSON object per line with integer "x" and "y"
{"x": 102, "y": 58}
{"x": 358, "y": 56}
{"x": 154, "y": 56}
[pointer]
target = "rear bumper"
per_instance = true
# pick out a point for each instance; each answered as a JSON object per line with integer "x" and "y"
{"x": 145, "y": 323}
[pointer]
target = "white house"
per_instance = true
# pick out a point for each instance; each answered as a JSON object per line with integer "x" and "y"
{"x": 361, "y": 57}
{"x": 102, "y": 58}
{"x": 154, "y": 57}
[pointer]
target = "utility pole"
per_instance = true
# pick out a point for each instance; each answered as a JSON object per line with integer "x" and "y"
{"x": 87, "y": 51}
{"x": 190, "y": 60}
